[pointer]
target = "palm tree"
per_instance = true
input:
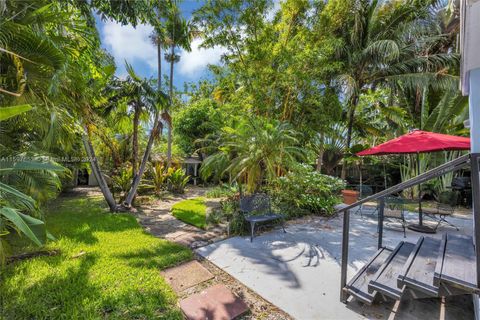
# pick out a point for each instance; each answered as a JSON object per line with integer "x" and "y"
{"x": 383, "y": 44}
{"x": 180, "y": 33}
{"x": 254, "y": 152}
{"x": 140, "y": 97}
{"x": 29, "y": 58}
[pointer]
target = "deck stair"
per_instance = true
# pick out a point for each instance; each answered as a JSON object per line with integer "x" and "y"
{"x": 429, "y": 268}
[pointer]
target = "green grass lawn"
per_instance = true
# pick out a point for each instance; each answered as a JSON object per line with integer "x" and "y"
{"x": 118, "y": 277}
{"x": 191, "y": 211}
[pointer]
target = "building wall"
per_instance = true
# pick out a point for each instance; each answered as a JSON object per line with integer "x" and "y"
{"x": 469, "y": 41}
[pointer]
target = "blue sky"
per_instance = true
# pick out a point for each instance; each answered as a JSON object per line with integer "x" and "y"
{"x": 133, "y": 45}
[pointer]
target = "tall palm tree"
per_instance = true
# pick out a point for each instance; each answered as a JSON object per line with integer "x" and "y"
{"x": 179, "y": 33}
{"x": 386, "y": 43}
{"x": 145, "y": 101}
{"x": 139, "y": 96}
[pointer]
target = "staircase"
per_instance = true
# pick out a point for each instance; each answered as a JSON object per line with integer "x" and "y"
{"x": 429, "y": 268}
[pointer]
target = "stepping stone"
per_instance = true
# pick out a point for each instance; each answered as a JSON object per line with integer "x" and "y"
{"x": 186, "y": 275}
{"x": 214, "y": 303}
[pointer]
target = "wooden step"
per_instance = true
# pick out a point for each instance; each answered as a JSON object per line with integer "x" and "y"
{"x": 358, "y": 286}
{"x": 456, "y": 265}
{"x": 385, "y": 280}
{"x": 419, "y": 270}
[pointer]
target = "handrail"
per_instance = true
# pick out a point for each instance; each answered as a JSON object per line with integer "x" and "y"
{"x": 453, "y": 165}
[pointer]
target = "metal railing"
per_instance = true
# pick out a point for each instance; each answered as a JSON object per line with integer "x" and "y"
{"x": 454, "y": 165}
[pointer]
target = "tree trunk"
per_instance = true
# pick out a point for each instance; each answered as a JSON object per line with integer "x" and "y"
{"x": 320, "y": 160}
{"x": 136, "y": 121}
{"x": 107, "y": 194}
{"x": 351, "y": 118}
{"x": 136, "y": 179}
{"x": 157, "y": 127}
{"x": 169, "y": 129}
{"x": 321, "y": 151}
{"x": 159, "y": 65}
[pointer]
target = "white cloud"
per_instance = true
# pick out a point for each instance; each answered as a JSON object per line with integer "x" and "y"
{"x": 129, "y": 43}
{"x": 134, "y": 45}
{"x": 191, "y": 63}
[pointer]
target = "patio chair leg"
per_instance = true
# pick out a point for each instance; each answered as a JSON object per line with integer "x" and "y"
{"x": 252, "y": 230}
{"x": 448, "y": 222}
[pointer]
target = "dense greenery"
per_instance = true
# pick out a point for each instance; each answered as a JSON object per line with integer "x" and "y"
{"x": 302, "y": 86}
{"x": 106, "y": 266}
{"x": 304, "y": 190}
{"x": 191, "y": 211}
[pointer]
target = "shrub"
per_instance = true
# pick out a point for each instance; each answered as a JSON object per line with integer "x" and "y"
{"x": 303, "y": 191}
{"x": 176, "y": 180}
{"x": 122, "y": 179}
{"x": 223, "y": 190}
{"x": 215, "y": 216}
{"x": 448, "y": 197}
{"x": 158, "y": 176}
{"x": 230, "y": 210}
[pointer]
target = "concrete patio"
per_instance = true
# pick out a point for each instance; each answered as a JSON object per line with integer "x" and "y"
{"x": 299, "y": 271}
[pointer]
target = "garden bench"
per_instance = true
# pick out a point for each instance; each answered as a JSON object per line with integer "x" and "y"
{"x": 257, "y": 209}
{"x": 439, "y": 214}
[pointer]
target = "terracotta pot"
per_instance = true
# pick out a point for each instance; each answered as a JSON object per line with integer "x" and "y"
{"x": 350, "y": 196}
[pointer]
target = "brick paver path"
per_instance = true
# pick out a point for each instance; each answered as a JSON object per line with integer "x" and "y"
{"x": 158, "y": 220}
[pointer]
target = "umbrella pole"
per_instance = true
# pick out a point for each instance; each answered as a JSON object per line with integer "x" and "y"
{"x": 420, "y": 227}
{"x": 420, "y": 213}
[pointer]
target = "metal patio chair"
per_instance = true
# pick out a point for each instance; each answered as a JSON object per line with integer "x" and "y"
{"x": 439, "y": 214}
{"x": 364, "y": 191}
{"x": 395, "y": 210}
{"x": 257, "y": 209}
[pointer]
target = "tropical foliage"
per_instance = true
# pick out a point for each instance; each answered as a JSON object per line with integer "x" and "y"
{"x": 301, "y": 87}
{"x": 176, "y": 180}
{"x": 304, "y": 190}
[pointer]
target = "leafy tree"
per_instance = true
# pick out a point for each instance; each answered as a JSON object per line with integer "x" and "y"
{"x": 385, "y": 43}
{"x": 196, "y": 121}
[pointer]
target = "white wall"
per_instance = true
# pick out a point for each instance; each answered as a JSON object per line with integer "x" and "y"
{"x": 469, "y": 41}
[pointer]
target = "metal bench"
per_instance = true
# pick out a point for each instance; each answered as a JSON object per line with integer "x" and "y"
{"x": 257, "y": 209}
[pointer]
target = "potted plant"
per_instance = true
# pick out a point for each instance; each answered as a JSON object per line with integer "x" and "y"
{"x": 350, "y": 196}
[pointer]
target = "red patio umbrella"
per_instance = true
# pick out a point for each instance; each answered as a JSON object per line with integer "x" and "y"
{"x": 418, "y": 141}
